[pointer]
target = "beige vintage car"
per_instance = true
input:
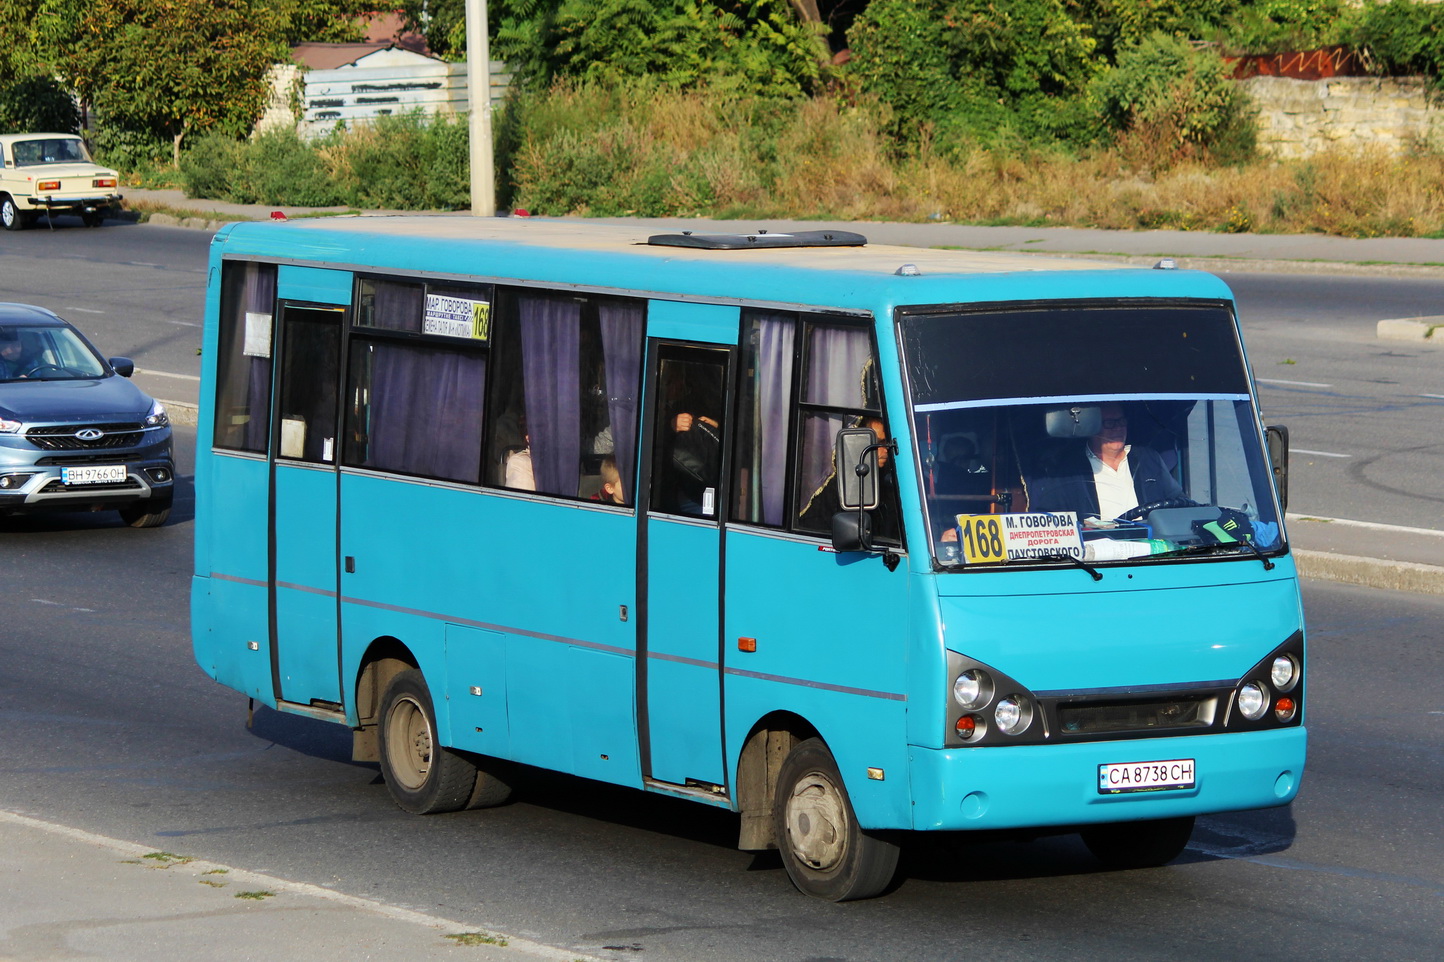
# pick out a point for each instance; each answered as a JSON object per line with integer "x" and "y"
{"x": 53, "y": 172}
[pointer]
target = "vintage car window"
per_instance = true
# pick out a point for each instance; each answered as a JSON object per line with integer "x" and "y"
{"x": 53, "y": 150}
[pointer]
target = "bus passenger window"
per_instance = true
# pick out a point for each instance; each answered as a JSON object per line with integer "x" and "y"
{"x": 564, "y": 395}
{"x": 243, "y": 371}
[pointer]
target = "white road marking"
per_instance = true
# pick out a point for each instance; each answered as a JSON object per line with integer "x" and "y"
{"x": 1399, "y": 528}
{"x": 1321, "y": 454}
{"x": 1269, "y": 380}
{"x": 1436, "y": 396}
{"x": 82, "y": 310}
{"x": 183, "y": 377}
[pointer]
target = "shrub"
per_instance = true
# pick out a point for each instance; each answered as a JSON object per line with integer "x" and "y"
{"x": 1170, "y": 101}
{"x": 1404, "y": 37}
{"x": 211, "y": 168}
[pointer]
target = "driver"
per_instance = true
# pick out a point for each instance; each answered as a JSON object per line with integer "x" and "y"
{"x": 1107, "y": 477}
{"x": 13, "y": 360}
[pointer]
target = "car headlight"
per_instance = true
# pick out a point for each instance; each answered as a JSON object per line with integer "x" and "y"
{"x": 1283, "y": 672}
{"x": 973, "y": 688}
{"x": 10, "y": 427}
{"x": 157, "y": 416}
{"x": 1252, "y": 701}
{"x": 1013, "y": 714}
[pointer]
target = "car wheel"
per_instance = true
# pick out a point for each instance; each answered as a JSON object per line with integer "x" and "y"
{"x": 1126, "y": 845}
{"x": 422, "y": 775}
{"x": 826, "y": 854}
{"x": 10, "y": 215}
{"x": 151, "y": 513}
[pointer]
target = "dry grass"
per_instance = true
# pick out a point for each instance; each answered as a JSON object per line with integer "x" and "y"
{"x": 664, "y": 153}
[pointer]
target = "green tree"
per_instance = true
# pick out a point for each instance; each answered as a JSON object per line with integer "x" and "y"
{"x": 763, "y": 46}
{"x": 970, "y": 68}
{"x": 37, "y": 104}
{"x": 167, "y": 67}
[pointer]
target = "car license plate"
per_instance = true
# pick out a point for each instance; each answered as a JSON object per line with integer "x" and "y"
{"x": 93, "y": 474}
{"x": 1145, "y": 776}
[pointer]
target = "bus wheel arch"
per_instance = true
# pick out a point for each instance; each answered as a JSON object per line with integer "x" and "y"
{"x": 384, "y": 660}
{"x": 763, "y": 752}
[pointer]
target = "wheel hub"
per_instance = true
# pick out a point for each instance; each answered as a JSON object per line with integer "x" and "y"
{"x": 816, "y": 819}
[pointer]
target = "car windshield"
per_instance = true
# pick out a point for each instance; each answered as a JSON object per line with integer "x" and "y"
{"x": 49, "y": 150}
{"x": 1088, "y": 432}
{"x": 46, "y": 353}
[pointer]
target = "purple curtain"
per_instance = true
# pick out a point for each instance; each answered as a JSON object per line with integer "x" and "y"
{"x": 776, "y": 335}
{"x": 838, "y": 371}
{"x": 622, "y": 324}
{"x": 550, "y": 347}
{"x": 259, "y": 298}
{"x": 440, "y": 389}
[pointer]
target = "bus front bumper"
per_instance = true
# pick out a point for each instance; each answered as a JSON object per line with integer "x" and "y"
{"x": 1043, "y": 786}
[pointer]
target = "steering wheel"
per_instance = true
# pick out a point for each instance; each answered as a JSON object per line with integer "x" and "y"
{"x": 1133, "y": 514}
{"x": 47, "y": 368}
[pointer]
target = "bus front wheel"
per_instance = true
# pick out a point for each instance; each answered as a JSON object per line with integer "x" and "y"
{"x": 1125, "y": 845}
{"x": 422, "y": 776}
{"x": 826, "y": 853}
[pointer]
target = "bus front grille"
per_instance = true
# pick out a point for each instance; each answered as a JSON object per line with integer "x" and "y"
{"x": 1100, "y": 718}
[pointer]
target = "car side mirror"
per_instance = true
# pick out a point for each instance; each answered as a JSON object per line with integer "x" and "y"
{"x": 1277, "y": 438}
{"x": 123, "y": 366}
{"x": 856, "y": 460}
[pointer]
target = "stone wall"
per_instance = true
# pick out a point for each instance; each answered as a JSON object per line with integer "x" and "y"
{"x": 1299, "y": 118}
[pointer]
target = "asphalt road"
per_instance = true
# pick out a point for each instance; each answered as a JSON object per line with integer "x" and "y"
{"x": 111, "y": 728}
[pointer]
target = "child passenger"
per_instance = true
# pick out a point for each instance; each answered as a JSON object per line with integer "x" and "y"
{"x": 611, "y": 489}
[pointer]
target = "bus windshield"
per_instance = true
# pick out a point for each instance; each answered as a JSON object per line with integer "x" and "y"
{"x": 1083, "y": 431}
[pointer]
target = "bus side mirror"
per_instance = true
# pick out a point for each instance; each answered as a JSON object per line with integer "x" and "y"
{"x": 856, "y": 469}
{"x": 1277, "y": 437}
{"x": 852, "y": 531}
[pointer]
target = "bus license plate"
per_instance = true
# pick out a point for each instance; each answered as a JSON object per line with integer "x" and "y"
{"x": 1145, "y": 776}
{"x": 93, "y": 474}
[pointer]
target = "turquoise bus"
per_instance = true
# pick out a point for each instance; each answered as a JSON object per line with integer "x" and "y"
{"x": 854, "y": 541}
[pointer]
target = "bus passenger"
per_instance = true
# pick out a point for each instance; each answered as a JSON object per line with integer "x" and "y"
{"x": 696, "y": 456}
{"x": 611, "y": 489}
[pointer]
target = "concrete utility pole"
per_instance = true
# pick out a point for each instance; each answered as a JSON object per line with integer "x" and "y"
{"x": 478, "y": 80}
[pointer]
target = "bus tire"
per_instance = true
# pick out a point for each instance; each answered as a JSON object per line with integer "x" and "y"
{"x": 826, "y": 853}
{"x": 423, "y": 776}
{"x": 1125, "y": 845}
{"x": 489, "y": 790}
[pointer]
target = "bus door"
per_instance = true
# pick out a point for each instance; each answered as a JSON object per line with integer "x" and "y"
{"x": 304, "y": 451}
{"x": 679, "y": 687}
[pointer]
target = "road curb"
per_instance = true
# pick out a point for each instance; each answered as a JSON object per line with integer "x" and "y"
{"x": 1370, "y": 572}
{"x": 181, "y": 412}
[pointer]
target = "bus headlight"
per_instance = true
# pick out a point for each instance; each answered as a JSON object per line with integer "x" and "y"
{"x": 1013, "y": 715}
{"x": 973, "y": 688}
{"x": 1252, "y": 701}
{"x": 1283, "y": 672}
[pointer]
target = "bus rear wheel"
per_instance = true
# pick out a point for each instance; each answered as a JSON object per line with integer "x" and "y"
{"x": 1124, "y": 845}
{"x": 422, "y": 775}
{"x": 826, "y": 853}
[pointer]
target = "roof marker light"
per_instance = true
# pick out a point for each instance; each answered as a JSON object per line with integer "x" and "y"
{"x": 908, "y": 270}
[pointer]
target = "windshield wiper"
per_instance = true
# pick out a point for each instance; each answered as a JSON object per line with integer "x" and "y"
{"x": 1060, "y": 556}
{"x": 1197, "y": 549}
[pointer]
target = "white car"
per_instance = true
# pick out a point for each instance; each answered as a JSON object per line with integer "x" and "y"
{"x": 53, "y": 172}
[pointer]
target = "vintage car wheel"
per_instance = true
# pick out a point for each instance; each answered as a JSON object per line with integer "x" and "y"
{"x": 11, "y": 216}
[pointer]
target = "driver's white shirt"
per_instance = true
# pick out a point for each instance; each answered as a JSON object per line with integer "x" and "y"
{"x": 1114, "y": 485}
